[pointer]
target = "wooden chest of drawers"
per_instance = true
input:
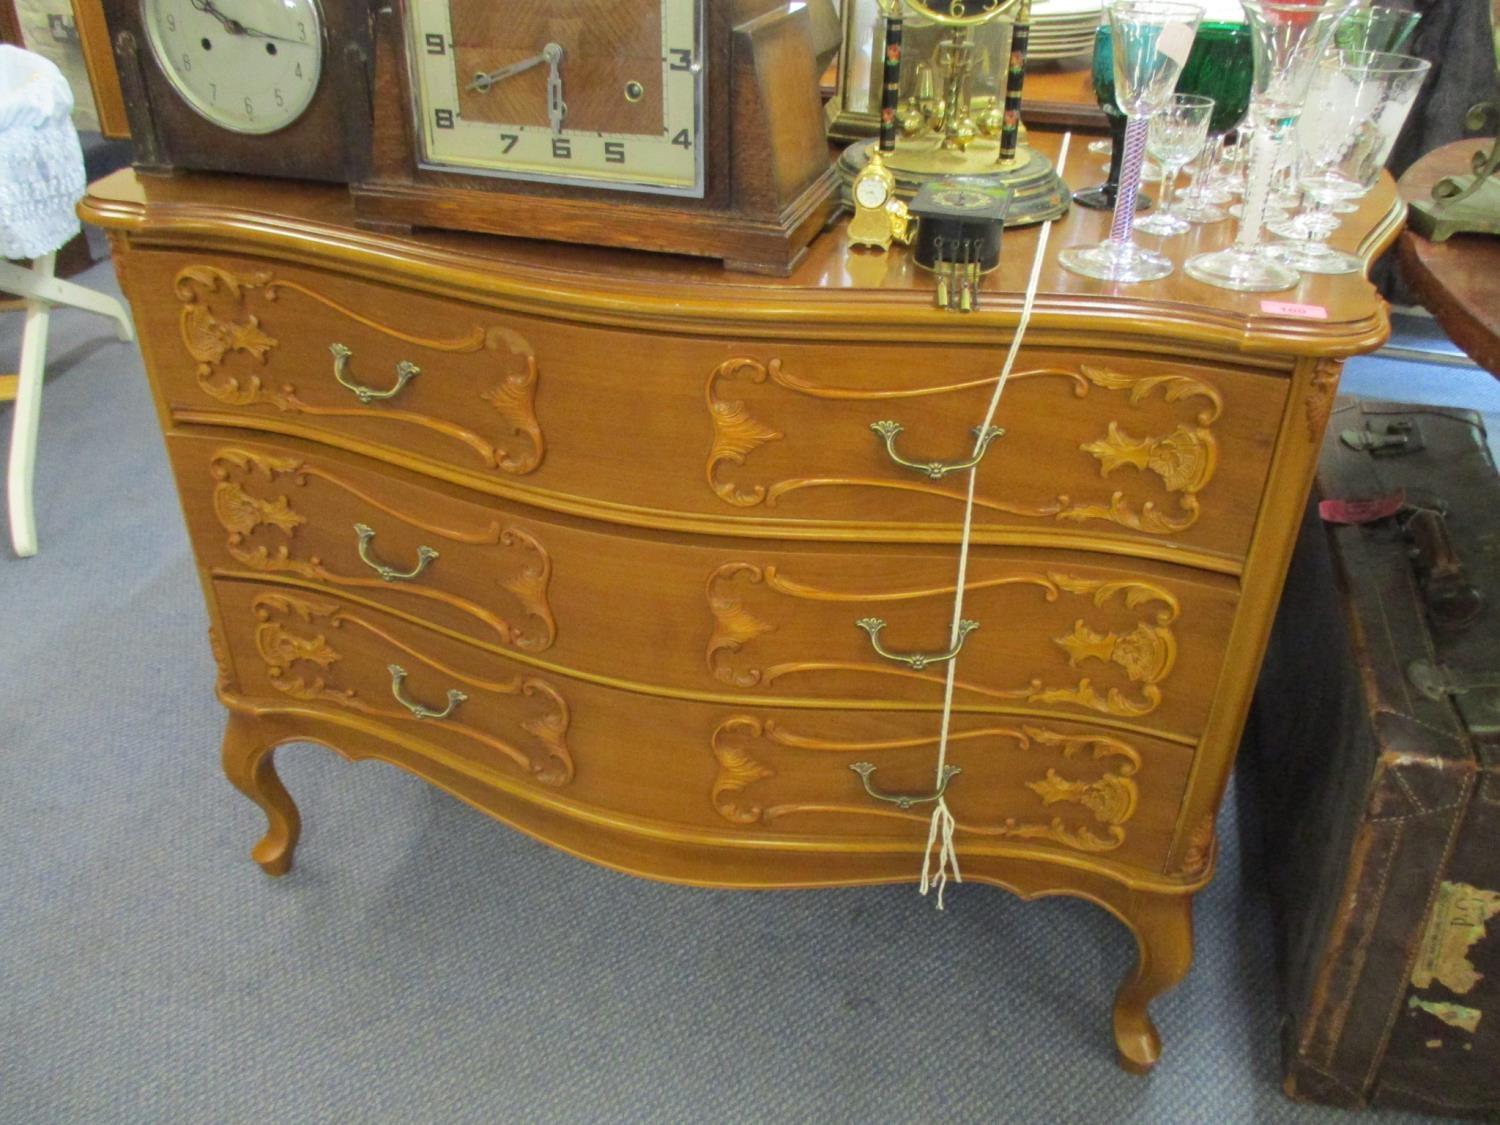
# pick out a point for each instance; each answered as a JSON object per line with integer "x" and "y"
{"x": 608, "y": 547}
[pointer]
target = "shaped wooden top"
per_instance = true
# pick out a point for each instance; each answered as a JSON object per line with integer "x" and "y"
{"x": 834, "y": 291}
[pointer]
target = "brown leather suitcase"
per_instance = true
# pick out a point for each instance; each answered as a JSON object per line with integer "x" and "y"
{"x": 1374, "y": 747}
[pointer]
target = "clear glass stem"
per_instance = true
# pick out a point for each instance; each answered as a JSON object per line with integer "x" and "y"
{"x": 1169, "y": 174}
{"x": 1123, "y": 221}
{"x": 1208, "y": 159}
{"x": 1319, "y": 223}
{"x": 1257, "y": 188}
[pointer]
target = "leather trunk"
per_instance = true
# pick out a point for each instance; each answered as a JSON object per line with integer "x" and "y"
{"x": 1375, "y": 747}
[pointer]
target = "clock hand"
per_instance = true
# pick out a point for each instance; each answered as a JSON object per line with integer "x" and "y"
{"x": 234, "y": 27}
{"x": 557, "y": 109}
{"x": 254, "y": 33}
{"x": 482, "y": 82}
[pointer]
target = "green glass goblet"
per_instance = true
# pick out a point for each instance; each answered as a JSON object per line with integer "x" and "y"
{"x": 1221, "y": 66}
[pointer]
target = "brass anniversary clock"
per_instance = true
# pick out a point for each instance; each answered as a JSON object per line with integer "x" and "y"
{"x": 687, "y": 126}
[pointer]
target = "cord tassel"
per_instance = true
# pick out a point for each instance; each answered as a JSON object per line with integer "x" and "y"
{"x": 941, "y": 825}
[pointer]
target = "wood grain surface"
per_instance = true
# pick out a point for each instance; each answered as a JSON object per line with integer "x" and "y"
{"x": 1458, "y": 280}
{"x": 1061, "y": 633}
{"x": 835, "y": 290}
{"x": 744, "y": 436}
{"x": 658, "y": 511}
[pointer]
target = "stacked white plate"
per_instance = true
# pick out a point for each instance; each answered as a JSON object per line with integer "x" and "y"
{"x": 1063, "y": 28}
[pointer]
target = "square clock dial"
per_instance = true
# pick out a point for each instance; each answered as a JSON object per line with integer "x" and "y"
{"x": 599, "y": 93}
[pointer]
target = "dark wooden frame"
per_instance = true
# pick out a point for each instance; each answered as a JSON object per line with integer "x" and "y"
{"x": 769, "y": 186}
{"x": 330, "y": 141}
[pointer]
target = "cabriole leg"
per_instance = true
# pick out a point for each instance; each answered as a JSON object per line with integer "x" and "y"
{"x": 1163, "y": 926}
{"x": 247, "y": 755}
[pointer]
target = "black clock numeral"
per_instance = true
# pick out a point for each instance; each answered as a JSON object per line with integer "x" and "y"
{"x": 681, "y": 60}
{"x": 213, "y": 92}
{"x": 298, "y": 70}
{"x": 280, "y": 101}
{"x": 249, "y": 109}
{"x": 443, "y": 118}
{"x": 562, "y": 148}
{"x": 436, "y": 45}
{"x": 187, "y": 61}
{"x": 509, "y": 141}
{"x": 614, "y": 152}
{"x": 171, "y": 22}
{"x": 302, "y": 31}
{"x": 682, "y": 140}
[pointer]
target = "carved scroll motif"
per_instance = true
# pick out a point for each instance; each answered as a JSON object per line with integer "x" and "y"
{"x": 1184, "y": 459}
{"x": 736, "y": 433}
{"x": 1321, "y": 390}
{"x": 251, "y": 492}
{"x": 1146, "y": 654}
{"x": 1105, "y": 803}
{"x": 292, "y": 638}
{"x": 213, "y": 331}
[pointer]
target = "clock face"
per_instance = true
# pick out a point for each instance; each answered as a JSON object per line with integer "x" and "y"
{"x": 871, "y": 192}
{"x": 960, "y": 13}
{"x": 250, "y": 66}
{"x": 600, "y": 93}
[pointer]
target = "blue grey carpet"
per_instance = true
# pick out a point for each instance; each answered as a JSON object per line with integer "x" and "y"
{"x": 422, "y": 963}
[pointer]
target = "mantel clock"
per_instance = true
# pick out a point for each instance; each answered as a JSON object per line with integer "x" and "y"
{"x": 265, "y": 87}
{"x": 687, "y": 126}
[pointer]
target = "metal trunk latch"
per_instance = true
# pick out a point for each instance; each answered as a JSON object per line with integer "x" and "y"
{"x": 1391, "y": 439}
{"x": 1476, "y": 697}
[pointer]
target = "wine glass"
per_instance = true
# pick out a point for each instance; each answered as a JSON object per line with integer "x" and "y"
{"x": 1175, "y": 135}
{"x": 1379, "y": 27}
{"x": 1101, "y": 197}
{"x": 1151, "y": 41}
{"x": 1222, "y": 67}
{"x": 1355, "y": 109}
{"x": 1288, "y": 38}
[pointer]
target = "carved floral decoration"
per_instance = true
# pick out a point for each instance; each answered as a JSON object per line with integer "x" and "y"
{"x": 292, "y": 638}
{"x": 216, "y": 327}
{"x": 1145, "y": 654}
{"x": 243, "y": 479}
{"x": 1321, "y": 390}
{"x": 1184, "y": 459}
{"x": 1104, "y": 803}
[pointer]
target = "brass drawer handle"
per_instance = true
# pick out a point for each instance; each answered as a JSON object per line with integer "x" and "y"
{"x": 390, "y": 574}
{"x": 398, "y": 677}
{"x": 405, "y": 371}
{"x": 917, "y": 660}
{"x": 936, "y": 470}
{"x": 903, "y": 800}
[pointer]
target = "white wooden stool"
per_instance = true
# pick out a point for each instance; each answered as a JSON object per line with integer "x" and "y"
{"x": 41, "y": 291}
{"x": 41, "y": 180}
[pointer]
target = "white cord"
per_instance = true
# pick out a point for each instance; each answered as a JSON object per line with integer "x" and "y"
{"x": 940, "y": 831}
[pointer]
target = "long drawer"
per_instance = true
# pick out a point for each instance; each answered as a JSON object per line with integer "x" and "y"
{"x": 748, "y": 772}
{"x": 758, "y": 436}
{"x": 1058, "y": 633}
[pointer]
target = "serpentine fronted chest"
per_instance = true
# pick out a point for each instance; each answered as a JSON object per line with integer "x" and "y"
{"x": 604, "y": 544}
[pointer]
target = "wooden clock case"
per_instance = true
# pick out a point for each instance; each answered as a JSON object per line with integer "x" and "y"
{"x": 769, "y": 186}
{"x": 330, "y": 141}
